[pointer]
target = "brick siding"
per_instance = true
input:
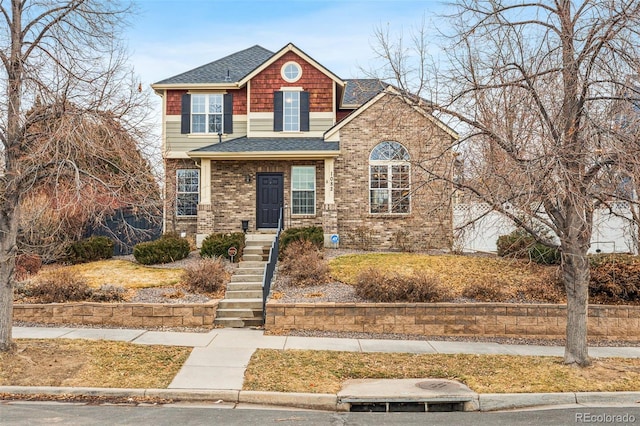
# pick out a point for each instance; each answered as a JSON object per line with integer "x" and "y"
{"x": 233, "y": 199}
{"x": 429, "y": 225}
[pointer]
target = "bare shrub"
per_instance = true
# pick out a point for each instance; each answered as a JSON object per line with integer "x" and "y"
{"x": 21, "y": 290}
{"x": 208, "y": 275}
{"x": 304, "y": 265}
{"x": 488, "y": 291}
{"x": 26, "y": 265}
{"x": 547, "y": 292}
{"x": 427, "y": 287}
{"x": 108, "y": 293}
{"x": 361, "y": 238}
{"x": 60, "y": 286}
{"x": 402, "y": 241}
{"x": 47, "y": 230}
{"x": 378, "y": 286}
{"x": 615, "y": 279}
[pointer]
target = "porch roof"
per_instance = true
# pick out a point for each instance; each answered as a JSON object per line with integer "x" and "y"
{"x": 272, "y": 148}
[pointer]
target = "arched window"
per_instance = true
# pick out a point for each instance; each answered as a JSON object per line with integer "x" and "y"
{"x": 389, "y": 179}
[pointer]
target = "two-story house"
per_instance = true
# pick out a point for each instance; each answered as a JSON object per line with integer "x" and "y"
{"x": 257, "y": 131}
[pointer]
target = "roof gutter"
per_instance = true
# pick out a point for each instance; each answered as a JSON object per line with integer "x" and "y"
{"x": 196, "y": 86}
{"x": 265, "y": 155}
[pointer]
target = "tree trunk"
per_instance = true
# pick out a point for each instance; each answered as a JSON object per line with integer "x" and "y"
{"x": 575, "y": 275}
{"x": 8, "y": 235}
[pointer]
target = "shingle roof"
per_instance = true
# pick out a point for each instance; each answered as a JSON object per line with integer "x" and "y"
{"x": 359, "y": 91}
{"x": 237, "y": 65}
{"x": 245, "y": 144}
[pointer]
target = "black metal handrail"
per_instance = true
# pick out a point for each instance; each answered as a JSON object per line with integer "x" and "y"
{"x": 271, "y": 266}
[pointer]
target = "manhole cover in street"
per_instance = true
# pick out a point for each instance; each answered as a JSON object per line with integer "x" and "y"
{"x": 440, "y": 385}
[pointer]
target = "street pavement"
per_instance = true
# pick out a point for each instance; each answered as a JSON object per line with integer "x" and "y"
{"x": 215, "y": 369}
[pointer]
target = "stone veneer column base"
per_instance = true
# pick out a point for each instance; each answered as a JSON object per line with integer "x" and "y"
{"x": 206, "y": 223}
{"x": 206, "y": 219}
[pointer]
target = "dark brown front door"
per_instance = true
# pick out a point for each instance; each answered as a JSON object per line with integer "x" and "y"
{"x": 270, "y": 194}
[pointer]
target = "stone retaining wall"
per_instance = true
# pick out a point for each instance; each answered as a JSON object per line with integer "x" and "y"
{"x": 547, "y": 321}
{"x": 119, "y": 314}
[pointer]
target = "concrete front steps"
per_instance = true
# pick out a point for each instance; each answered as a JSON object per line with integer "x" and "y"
{"x": 242, "y": 303}
{"x": 257, "y": 246}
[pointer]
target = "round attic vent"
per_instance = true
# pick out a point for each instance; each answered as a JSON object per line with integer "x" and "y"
{"x": 291, "y": 72}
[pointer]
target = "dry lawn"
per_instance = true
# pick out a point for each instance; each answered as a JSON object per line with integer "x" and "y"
{"x": 457, "y": 272}
{"x": 84, "y": 363}
{"x": 325, "y": 371}
{"x": 121, "y": 273}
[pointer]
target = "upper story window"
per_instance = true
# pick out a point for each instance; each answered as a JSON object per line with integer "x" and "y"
{"x": 187, "y": 192}
{"x": 291, "y": 110}
{"x": 291, "y": 72}
{"x": 389, "y": 179}
{"x": 207, "y": 113}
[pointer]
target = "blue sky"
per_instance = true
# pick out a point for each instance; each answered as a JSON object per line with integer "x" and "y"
{"x": 168, "y": 37}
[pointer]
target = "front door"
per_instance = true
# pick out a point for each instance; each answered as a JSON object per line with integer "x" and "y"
{"x": 270, "y": 194}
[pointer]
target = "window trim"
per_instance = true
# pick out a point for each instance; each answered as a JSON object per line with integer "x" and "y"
{"x": 179, "y": 193}
{"x": 207, "y": 114}
{"x": 314, "y": 191}
{"x": 389, "y": 164}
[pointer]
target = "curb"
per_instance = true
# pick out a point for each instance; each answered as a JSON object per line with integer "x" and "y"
{"x": 314, "y": 401}
{"x": 330, "y": 402}
{"x": 507, "y": 401}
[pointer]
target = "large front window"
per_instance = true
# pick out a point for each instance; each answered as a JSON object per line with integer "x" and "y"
{"x": 303, "y": 190}
{"x": 291, "y": 111}
{"x": 207, "y": 113}
{"x": 389, "y": 179}
{"x": 188, "y": 192}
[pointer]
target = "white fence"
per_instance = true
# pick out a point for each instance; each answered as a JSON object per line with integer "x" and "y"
{"x": 612, "y": 232}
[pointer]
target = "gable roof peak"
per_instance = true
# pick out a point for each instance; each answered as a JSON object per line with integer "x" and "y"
{"x": 290, "y": 47}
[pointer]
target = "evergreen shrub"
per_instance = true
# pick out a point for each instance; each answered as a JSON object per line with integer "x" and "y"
{"x": 91, "y": 249}
{"x": 217, "y": 245}
{"x": 168, "y": 248}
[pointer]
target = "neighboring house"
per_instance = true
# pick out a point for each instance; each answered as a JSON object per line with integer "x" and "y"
{"x": 255, "y": 131}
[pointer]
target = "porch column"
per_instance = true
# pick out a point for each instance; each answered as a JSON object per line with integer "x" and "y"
{"x": 329, "y": 179}
{"x": 205, "y": 181}
{"x": 206, "y": 217}
{"x": 329, "y": 211}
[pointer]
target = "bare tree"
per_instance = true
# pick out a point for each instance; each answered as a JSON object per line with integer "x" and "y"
{"x": 546, "y": 93}
{"x": 59, "y": 208}
{"x": 68, "y": 94}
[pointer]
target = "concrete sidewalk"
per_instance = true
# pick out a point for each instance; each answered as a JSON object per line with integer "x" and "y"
{"x": 220, "y": 356}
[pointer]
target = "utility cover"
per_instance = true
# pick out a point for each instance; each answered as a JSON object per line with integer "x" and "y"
{"x": 405, "y": 390}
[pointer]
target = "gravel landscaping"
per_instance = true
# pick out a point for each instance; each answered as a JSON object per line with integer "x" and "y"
{"x": 173, "y": 295}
